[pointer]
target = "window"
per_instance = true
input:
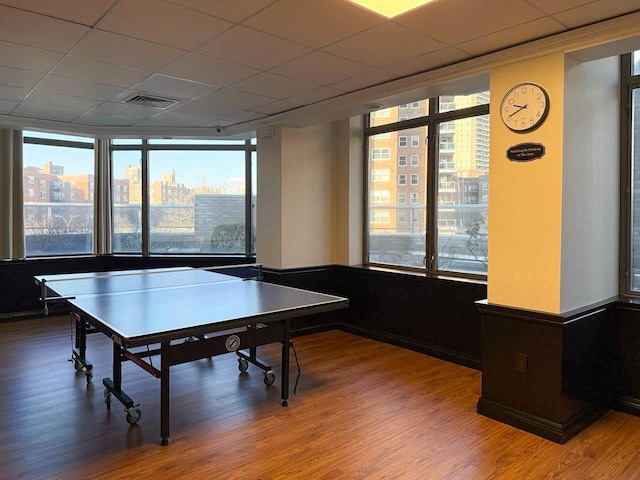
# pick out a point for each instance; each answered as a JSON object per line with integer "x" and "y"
{"x": 400, "y": 239}
{"x": 54, "y": 226}
{"x": 382, "y": 136}
{"x": 198, "y": 199}
{"x": 43, "y": 184}
{"x": 457, "y": 155}
{"x": 388, "y": 116}
{"x": 461, "y": 241}
{"x": 380, "y": 196}
{"x": 458, "y": 102}
{"x": 380, "y": 175}
{"x": 381, "y": 153}
{"x": 380, "y": 216}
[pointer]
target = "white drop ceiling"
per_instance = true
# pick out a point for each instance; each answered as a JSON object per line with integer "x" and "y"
{"x": 232, "y": 65}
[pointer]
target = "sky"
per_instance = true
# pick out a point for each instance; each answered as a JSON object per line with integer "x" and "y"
{"x": 193, "y": 168}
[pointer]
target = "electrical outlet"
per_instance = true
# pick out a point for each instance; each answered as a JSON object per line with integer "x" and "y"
{"x": 522, "y": 361}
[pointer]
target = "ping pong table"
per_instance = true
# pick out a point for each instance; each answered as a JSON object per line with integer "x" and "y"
{"x": 180, "y": 315}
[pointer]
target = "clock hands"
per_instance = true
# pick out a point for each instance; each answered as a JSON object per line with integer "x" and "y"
{"x": 520, "y": 107}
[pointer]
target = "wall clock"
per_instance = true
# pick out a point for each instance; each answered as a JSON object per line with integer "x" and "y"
{"x": 524, "y": 107}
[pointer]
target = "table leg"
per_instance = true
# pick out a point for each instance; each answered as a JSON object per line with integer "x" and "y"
{"x": 164, "y": 393}
{"x": 79, "y": 352}
{"x": 285, "y": 363}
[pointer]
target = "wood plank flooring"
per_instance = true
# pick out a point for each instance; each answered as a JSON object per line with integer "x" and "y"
{"x": 364, "y": 410}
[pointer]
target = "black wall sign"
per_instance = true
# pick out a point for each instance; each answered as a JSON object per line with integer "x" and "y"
{"x": 525, "y": 152}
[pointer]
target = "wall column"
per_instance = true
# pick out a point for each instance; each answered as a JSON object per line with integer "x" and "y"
{"x": 307, "y": 213}
{"x": 553, "y": 249}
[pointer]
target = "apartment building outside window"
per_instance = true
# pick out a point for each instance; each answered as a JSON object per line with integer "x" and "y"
{"x": 199, "y": 198}
{"x": 54, "y": 225}
{"x": 454, "y": 157}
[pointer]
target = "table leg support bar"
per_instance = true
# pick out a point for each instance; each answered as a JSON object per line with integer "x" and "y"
{"x": 286, "y": 346}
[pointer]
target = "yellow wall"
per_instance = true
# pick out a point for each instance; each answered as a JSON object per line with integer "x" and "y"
{"x": 525, "y": 203}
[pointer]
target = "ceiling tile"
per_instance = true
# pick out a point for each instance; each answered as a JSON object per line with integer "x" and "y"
{"x": 173, "y": 87}
{"x": 216, "y": 113}
{"x": 276, "y": 86}
{"x": 14, "y": 94}
{"x": 19, "y": 26}
{"x": 79, "y": 88}
{"x": 232, "y": 10}
{"x": 321, "y": 68}
{"x": 384, "y": 44}
{"x": 512, "y": 36}
{"x": 307, "y": 98}
{"x": 595, "y": 11}
{"x": 6, "y": 106}
{"x": 93, "y": 118}
{"x": 124, "y": 110}
{"x": 228, "y": 97}
{"x": 369, "y": 79}
{"x": 316, "y": 24}
{"x": 46, "y": 111}
{"x": 181, "y": 119}
{"x": 27, "y": 58}
{"x": 457, "y": 21}
{"x": 423, "y": 63}
{"x": 251, "y": 47}
{"x": 98, "y": 72}
{"x": 15, "y": 77}
{"x": 124, "y": 51}
{"x": 39, "y": 97}
{"x": 78, "y": 11}
{"x": 162, "y": 22}
{"x": 555, "y": 6}
{"x": 208, "y": 70}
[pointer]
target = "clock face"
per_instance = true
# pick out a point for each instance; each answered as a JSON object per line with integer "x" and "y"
{"x": 524, "y": 107}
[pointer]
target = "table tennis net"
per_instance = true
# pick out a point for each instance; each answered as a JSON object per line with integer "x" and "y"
{"x": 151, "y": 279}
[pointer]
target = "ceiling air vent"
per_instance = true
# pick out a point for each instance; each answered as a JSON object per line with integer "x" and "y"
{"x": 143, "y": 100}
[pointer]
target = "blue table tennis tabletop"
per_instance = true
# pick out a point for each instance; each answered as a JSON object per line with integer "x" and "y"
{"x": 143, "y": 306}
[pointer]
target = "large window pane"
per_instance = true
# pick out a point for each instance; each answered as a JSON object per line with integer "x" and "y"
{"x": 397, "y": 197}
{"x": 463, "y": 194}
{"x": 635, "y": 191}
{"x": 397, "y": 114}
{"x": 197, "y": 202}
{"x": 58, "y": 199}
{"x": 458, "y": 102}
{"x": 254, "y": 199}
{"x": 126, "y": 195}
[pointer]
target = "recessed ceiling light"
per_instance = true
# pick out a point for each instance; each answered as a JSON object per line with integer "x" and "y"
{"x": 390, "y": 8}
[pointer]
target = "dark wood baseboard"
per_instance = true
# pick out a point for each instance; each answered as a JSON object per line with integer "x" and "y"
{"x": 301, "y": 332}
{"x": 630, "y": 405}
{"x": 556, "y": 432}
{"x": 431, "y": 350}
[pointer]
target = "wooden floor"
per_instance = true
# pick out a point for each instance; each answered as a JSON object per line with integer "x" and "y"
{"x": 364, "y": 410}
